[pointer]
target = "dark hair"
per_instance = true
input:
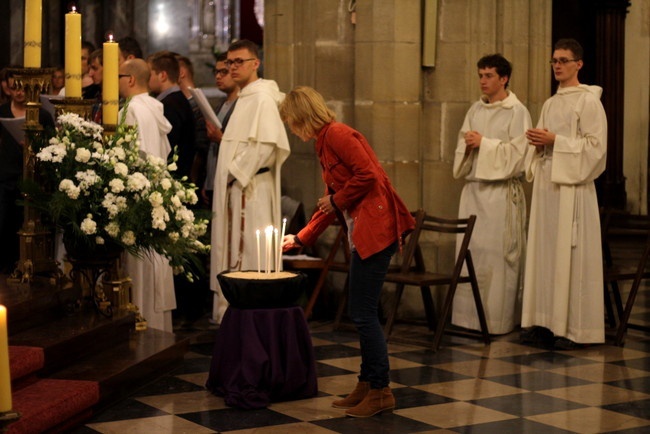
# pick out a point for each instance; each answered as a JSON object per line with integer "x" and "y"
{"x": 221, "y": 57}
{"x": 97, "y": 54}
{"x": 88, "y": 46}
{"x": 572, "y": 45}
{"x": 187, "y": 62}
{"x": 165, "y": 61}
{"x": 248, "y": 45}
{"x": 130, "y": 46}
{"x": 498, "y": 62}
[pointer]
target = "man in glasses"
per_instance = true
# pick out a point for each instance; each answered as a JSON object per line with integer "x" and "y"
{"x": 224, "y": 110}
{"x": 152, "y": 276}
{"x": 489, "y": 155}
{"x": 247, "y": 181}
{"x": 563, "y": 286}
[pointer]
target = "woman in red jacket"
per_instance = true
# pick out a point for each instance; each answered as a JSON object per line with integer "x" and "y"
{"x": 359, "y": 192}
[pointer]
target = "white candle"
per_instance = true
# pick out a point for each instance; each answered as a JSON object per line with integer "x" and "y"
{"x": 276, "y": 234}
{"x": 257, "y": 235}
{"x": 284, "y": 229}
{"x": 268, "y": 232}
{"x": 5, "y": 376}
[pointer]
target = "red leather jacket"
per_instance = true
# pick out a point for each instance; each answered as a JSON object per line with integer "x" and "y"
{"x": 360, "y": 186}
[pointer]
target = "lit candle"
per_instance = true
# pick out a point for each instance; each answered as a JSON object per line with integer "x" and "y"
{"x": 284, "y": 228}
{"x": 257, "y": 235}
{"x": 33, "y": 33}
{"x": 73, "y": 54}
{"x": 268, "y": 233}
{"x": 5, "y": 378}
{"x": 110, "y": 92}
{"x": 276, "y": 234}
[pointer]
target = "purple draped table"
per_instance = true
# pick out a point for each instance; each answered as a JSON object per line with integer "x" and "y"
{"x": 263, "y": 355}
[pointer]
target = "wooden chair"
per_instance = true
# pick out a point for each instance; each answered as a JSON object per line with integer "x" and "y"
{"x": 631, "y": 228}
{"x": 413, "y": 273}
{"x": 303, "y": 262}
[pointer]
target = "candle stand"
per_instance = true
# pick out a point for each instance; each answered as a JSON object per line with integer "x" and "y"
{"x": 79, "y": 106}
{"x": 6, "y": 419}
{"x": 36, "y": 240}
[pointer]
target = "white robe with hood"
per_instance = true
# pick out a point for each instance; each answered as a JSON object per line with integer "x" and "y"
{"x": 255, "y": 139}
{"x": 152, "y": 276}
{"x": 563, "y": 285}
{"x": 493, "y": 192}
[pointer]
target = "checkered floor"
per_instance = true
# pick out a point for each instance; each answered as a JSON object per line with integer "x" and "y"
{"x": 465, "y": 387}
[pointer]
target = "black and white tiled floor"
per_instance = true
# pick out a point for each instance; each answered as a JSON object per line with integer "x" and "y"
{"x": 466, "y": 387}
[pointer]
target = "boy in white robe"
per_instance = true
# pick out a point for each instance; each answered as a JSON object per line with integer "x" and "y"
{"x": 246, "y": 194}
{"x": 563, "y": 286}
{"x": 152, "y": 276}
{"x": 489, "y": 155}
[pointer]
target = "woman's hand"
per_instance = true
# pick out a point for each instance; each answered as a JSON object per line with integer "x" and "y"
{"x": 325, "y": 204}
{"x": 289, "y": 242}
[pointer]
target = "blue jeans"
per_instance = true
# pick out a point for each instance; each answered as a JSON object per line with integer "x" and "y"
{"x": 366, "y": 280}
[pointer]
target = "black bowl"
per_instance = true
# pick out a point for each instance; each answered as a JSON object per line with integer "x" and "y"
{"x": 248, "y": 293}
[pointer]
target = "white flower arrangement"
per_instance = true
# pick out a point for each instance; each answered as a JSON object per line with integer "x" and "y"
{"x": 100, "y": 190}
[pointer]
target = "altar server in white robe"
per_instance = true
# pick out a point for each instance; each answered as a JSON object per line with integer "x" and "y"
{"x": 490, "y": 155}
{"x": 563, "y": 286}
{"x": 246, "y": 194}
{"x": 152, "y": 275}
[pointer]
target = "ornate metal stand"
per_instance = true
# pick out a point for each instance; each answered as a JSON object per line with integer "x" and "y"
{"x": 36, "y": 242}
{"x": 108, "y": 290}
{"x": 80, "y": 106}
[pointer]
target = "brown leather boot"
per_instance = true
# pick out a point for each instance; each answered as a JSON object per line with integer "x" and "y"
{"x": 355, "y": 397}
{"x": 376, "y": 401}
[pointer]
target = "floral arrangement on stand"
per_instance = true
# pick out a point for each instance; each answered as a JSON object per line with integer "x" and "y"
{"x": 102, "y": 192}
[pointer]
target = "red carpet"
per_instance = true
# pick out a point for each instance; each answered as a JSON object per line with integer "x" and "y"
{"x": 45, "y": 404}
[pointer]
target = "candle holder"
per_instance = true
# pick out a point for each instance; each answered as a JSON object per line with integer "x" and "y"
{"x": 36, "y": 240}
{"x": 7, "y": 418}
{"x": 79, "y": 106}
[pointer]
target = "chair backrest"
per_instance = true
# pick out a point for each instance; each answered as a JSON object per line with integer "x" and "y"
{"x": 413, "y": 258}
{"x": 621, "y": 225}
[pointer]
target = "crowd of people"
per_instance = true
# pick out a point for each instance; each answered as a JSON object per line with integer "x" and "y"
{"x": 548, "y": 280}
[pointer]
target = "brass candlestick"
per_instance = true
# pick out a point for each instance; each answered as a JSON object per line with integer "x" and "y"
{"x": 36, "y": 240}
{"x": 79, "y": 106}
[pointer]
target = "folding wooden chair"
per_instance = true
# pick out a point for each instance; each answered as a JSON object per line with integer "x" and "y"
{"x": 302, "y": 263}
{"x": 413, "y": 273}
{"x": 631, "y": 228}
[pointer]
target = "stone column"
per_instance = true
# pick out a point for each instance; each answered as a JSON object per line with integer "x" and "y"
{"x": 387, "y": 89}
{"x": 610, "y": 55}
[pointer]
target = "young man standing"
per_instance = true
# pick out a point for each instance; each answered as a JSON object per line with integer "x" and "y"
{"x": 247, "y": 180}
{"x": 227, "y": 85}
{"x": 165, "y": 71}
{"x": 563, "y": 287}
{"x": 490, "y": 155}
{"x": 152, "y": 276}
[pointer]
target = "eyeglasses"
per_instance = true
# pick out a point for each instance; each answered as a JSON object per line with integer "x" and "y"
{"x": 124, "y": 75}
{"x": 562, "y": 61}
{"x": 223, "y": 71}
{"x": 238, "y": 62}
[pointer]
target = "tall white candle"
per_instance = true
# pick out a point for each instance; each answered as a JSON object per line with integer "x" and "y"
{"x": 284, "y": 229}
{"x": 277, "y": 252}
{"x": 5, "y": 376}
{"x": 268, "y": 233}
{"x": 257, "y": 235}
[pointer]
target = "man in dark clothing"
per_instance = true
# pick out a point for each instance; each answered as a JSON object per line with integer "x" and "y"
{"x": 164, "y": 82}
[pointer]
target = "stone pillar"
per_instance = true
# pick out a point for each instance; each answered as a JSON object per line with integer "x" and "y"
{"x": 387, "y": 80}
{"x": 610, "y": 55}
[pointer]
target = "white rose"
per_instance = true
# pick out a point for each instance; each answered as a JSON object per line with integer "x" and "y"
{"x": 88, "y": 225}
{"x": 121, "y": 169}
{"x": 83, "y": 155}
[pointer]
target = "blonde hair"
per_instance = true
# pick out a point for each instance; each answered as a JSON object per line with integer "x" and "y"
{"x": 306, "y": 111}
